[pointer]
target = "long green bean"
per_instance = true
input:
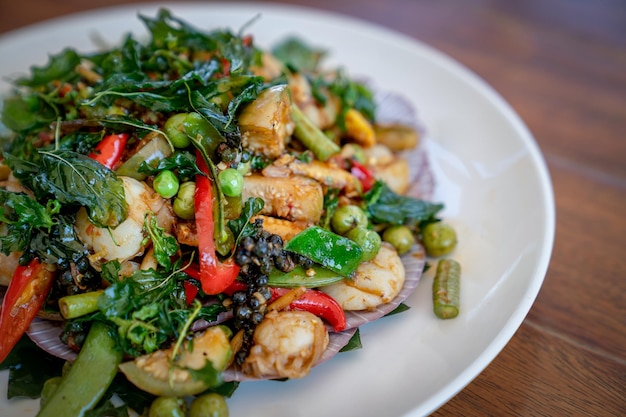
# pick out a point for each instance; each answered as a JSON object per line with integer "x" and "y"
{"x": 77, "y": 305}
{"x": 311, "y": 136}
{"x": 446, "y": 289}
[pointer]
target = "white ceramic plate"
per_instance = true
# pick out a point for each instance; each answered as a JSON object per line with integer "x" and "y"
{"x": 489, "y": 173}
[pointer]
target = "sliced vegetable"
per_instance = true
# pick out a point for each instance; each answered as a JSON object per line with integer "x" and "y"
{"x": 215, "y": 276}
{"x": 318, "y": 303}
{"x": 152, "y": 149}
{"x": 364, "y": 175}
{"x": 77, "y": 305}
{"x": 25, "y": 295}
{"x": 328, "y": 249}
{"x": 311, "y": 136}
{"x": 316, "y": 276}
{"x": 447, "y": 289}
{"x": 313, "y": 301}
{"x": 197, "y": 366}
{"x": 110, "y": 149}
{"x": 79, "y": 391}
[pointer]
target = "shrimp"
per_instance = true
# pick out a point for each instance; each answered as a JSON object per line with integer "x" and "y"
{"x": 375, "y": 282}
{"x": 127, "y": 240}
{"x": 287, "y": 344}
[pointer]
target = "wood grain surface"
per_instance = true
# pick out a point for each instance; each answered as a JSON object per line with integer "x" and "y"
{"x": 561, "y": 64}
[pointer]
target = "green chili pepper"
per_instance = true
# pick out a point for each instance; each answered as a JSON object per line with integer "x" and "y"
{"x": 328, "y": 249}
{"x": 446, "y": 289}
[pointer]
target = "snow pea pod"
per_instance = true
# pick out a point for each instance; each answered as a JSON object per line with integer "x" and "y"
{"x": 328, "y": 249}
{"x": 314, "y": 277}
{"x": 88, "y": 378}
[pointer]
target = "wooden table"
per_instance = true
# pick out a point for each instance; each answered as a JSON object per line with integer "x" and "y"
{"x": 562, "y": 66}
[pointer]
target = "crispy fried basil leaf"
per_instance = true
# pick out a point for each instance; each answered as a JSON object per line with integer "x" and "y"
{"x": 165, "y": 246}
{"x": 75, "y": 179}
{"x": 26, "y": 112}
{"x": 60, "y": 67}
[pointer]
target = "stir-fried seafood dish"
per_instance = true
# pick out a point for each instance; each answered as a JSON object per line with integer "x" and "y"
{"x": 192, "y": 211}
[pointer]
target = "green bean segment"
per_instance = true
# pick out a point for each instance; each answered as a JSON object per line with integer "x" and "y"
{"x": 77, "y": 305}
{"x": 447, "y": 289}
{"x": 311, "y": 136}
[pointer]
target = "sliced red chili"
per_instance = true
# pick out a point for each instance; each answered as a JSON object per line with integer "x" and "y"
{"x": 215, "y": 276}
{"x": 110, "y": 149}
{"x": 314, "y": 301}
{"x": 363, "y": 174}
{"x": 25, "y": 295}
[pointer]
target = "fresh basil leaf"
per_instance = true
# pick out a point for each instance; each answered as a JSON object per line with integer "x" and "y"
{"x": 354, "y": 343}
{"x": 385, "y": 206}
{"x": 400, "y": 309}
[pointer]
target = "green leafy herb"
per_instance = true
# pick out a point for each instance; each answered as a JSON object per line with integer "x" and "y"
{"x": 242, "y": 226}
{"x": 385, "y": 206}
{"x": 27, "y": 112}
{"x": 297, "y": 55}
{"x": 165, "y": 246}
{"x": 184, "y": 163}
{"x": 75, "y": 179}
{"x": 23, "y": 214}
{"x": 61, "y": 67}
{"x": 354, "y": 343}
{"x": 149, "y": 307}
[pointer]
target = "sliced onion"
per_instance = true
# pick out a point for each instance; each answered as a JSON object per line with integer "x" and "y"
{"x": 46, "y": 334}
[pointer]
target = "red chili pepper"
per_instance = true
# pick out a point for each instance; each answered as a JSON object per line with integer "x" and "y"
{"x": 363, "y": 174}
{"x": 190, "y": 292}
{"x": 26, "y": 294}
{"x": 110, "y": 149}
{"x": 215, "y": 276}
{"x": 313, "y": 301}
